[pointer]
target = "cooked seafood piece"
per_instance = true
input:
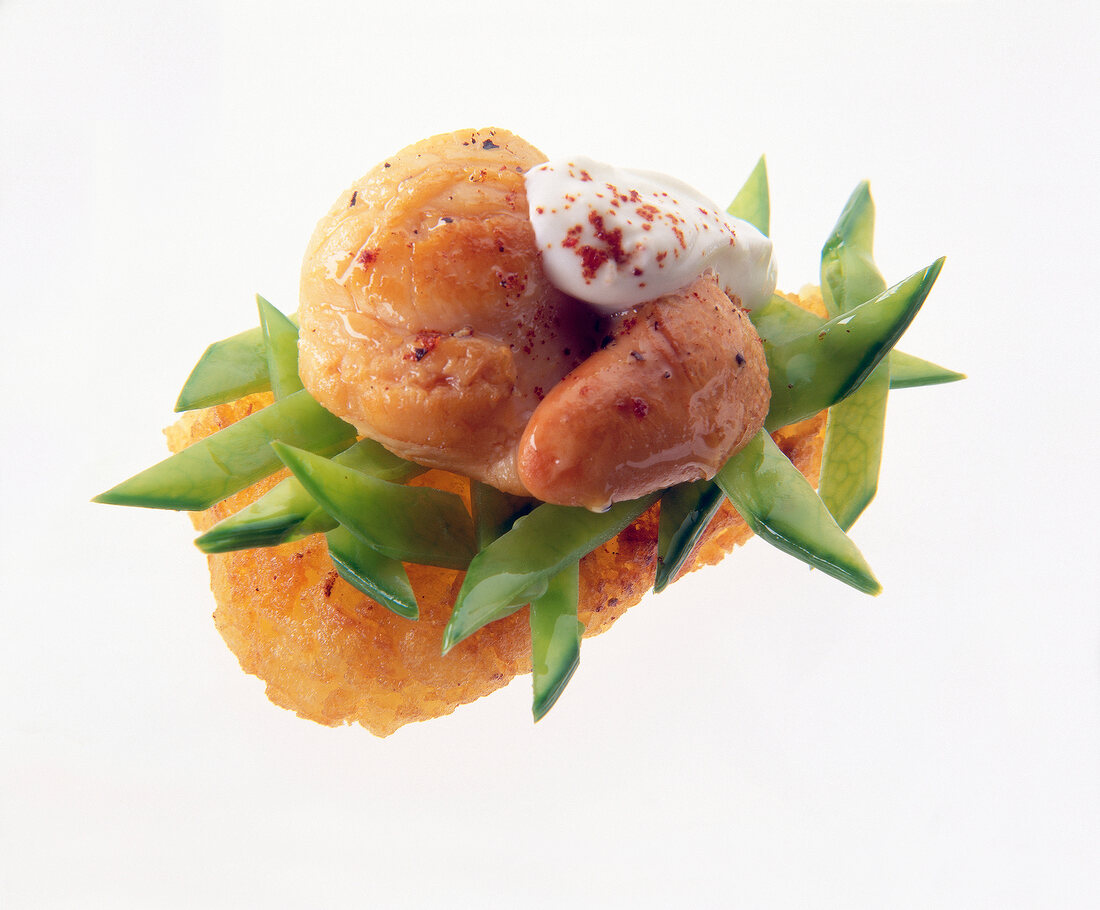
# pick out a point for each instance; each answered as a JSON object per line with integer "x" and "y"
{"x": 426, "y": 319}
{"x": 428, "y": 322}
{"x": 680, "y": 385}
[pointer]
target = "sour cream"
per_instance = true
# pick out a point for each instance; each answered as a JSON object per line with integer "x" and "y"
{"x": 616, "y": 238}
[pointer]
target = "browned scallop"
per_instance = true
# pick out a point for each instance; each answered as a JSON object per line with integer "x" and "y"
{"x": 426, "y": 319}
{"x": 680, "y": 385}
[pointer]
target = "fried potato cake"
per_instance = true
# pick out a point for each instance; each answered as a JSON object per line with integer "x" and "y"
{"x": 332, "y": 655}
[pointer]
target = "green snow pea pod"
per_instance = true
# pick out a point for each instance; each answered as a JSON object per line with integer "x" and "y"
{"x": 908, "y": 372}
{"x": 413, "y": 524}
{"x": 686, "y": 510}
{"x": 516, "y": 567}
{"x": 814, "y": 371}
{"x": 229, "y": 369}
{"x": 231, "y": 459}
{"x": 379, "y": 577}
{"x": 280, "y": 349}
{"x": 287, "y": 512}
{"x": 781, "y": 507}
{"x": 849, "y": 275}
{"x": 752, "y": 202}
{"x": 495, "y": 511}
{"x": 852, "y": 454}
{"x": 555, "y": 639}
{"x": 779, "y": 320}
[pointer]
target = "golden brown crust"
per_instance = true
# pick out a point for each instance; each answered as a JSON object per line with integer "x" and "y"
{"x": 334, "y": 656}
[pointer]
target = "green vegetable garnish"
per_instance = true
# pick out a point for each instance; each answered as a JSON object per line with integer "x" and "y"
{"x": 686, "y": 510}
{"x": 229, "y": 369}
{"x": 779, "y": 320}
{"x": 853, "y": 436}
{"x": 816, "y": 370}
{"x": 413, "y": 524}
{"x": 849, "y": 275}
{"x": 495, "y": 511}
{"x": 280, "y": 349}
{"x": 379, "y": 577}
{"x": 234, "y": 458}
{"x": 502, "y": 577}
{"x": 555, "y": 639}
{"x": 781, "y": 507}
{"x": 287, "y": 512}
{"x": 908, "y": 372}
{"x": 753, "y": 201}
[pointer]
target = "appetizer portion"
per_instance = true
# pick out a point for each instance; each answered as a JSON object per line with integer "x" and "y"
{"x": 522, "y": 394}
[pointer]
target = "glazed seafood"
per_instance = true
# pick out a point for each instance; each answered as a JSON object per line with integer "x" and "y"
{"x": 429, "y": 324}
{"x": 490, "y": 455}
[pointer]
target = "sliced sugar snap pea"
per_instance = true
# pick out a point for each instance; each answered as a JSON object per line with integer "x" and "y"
{"x": 231, "y": 459}
{"x": 494, "y": 511}
{"x": 229, "y": 369}
{"x": 909, "y": 372}
{"x": 280, "y": 348}
{"x": 752, "y": 202}
{"x": 849, "y": 275}
{"x": 287, "y": 512}
{"x": 852, "y": 454}
{"x": 413, "y": 524}
{"x": 686, "y": 510}
{"x": 381, "y": 578}
{"x": 555, "y": 639}
{"x": 816, "y": 370}
{"x": 507, "y": 574}
{"x": 781, "y": 507}
{"x": 779, "y": 320}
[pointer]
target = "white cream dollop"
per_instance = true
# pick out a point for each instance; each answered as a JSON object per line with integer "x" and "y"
{"x": 616, "y": 238}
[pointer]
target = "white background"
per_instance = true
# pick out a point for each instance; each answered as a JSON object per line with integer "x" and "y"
{"x": 759, "y": 736}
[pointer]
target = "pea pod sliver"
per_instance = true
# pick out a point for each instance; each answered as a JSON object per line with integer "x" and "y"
{"x": 752, "y": 202}
{"x": 413, "y": 524}
{"x": 816, "y": 370}
{"x": 555, "y": 639}
{"x": 781, "y": 507}
{"x": 686, "y": 510}
{"x": 907, "y": 372}
{"x": 852, "y": 452}
{"x": 287, "y": 512}
{"x": 779, "y": 320}
{"x": 849, "y": 275}
{"x": 381, "y": 578}
{"x": 280, "y": 349}
{"x": 539, "y": 545}
{"x": 231, "y": 459}
{"x": 494, "y": 511}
